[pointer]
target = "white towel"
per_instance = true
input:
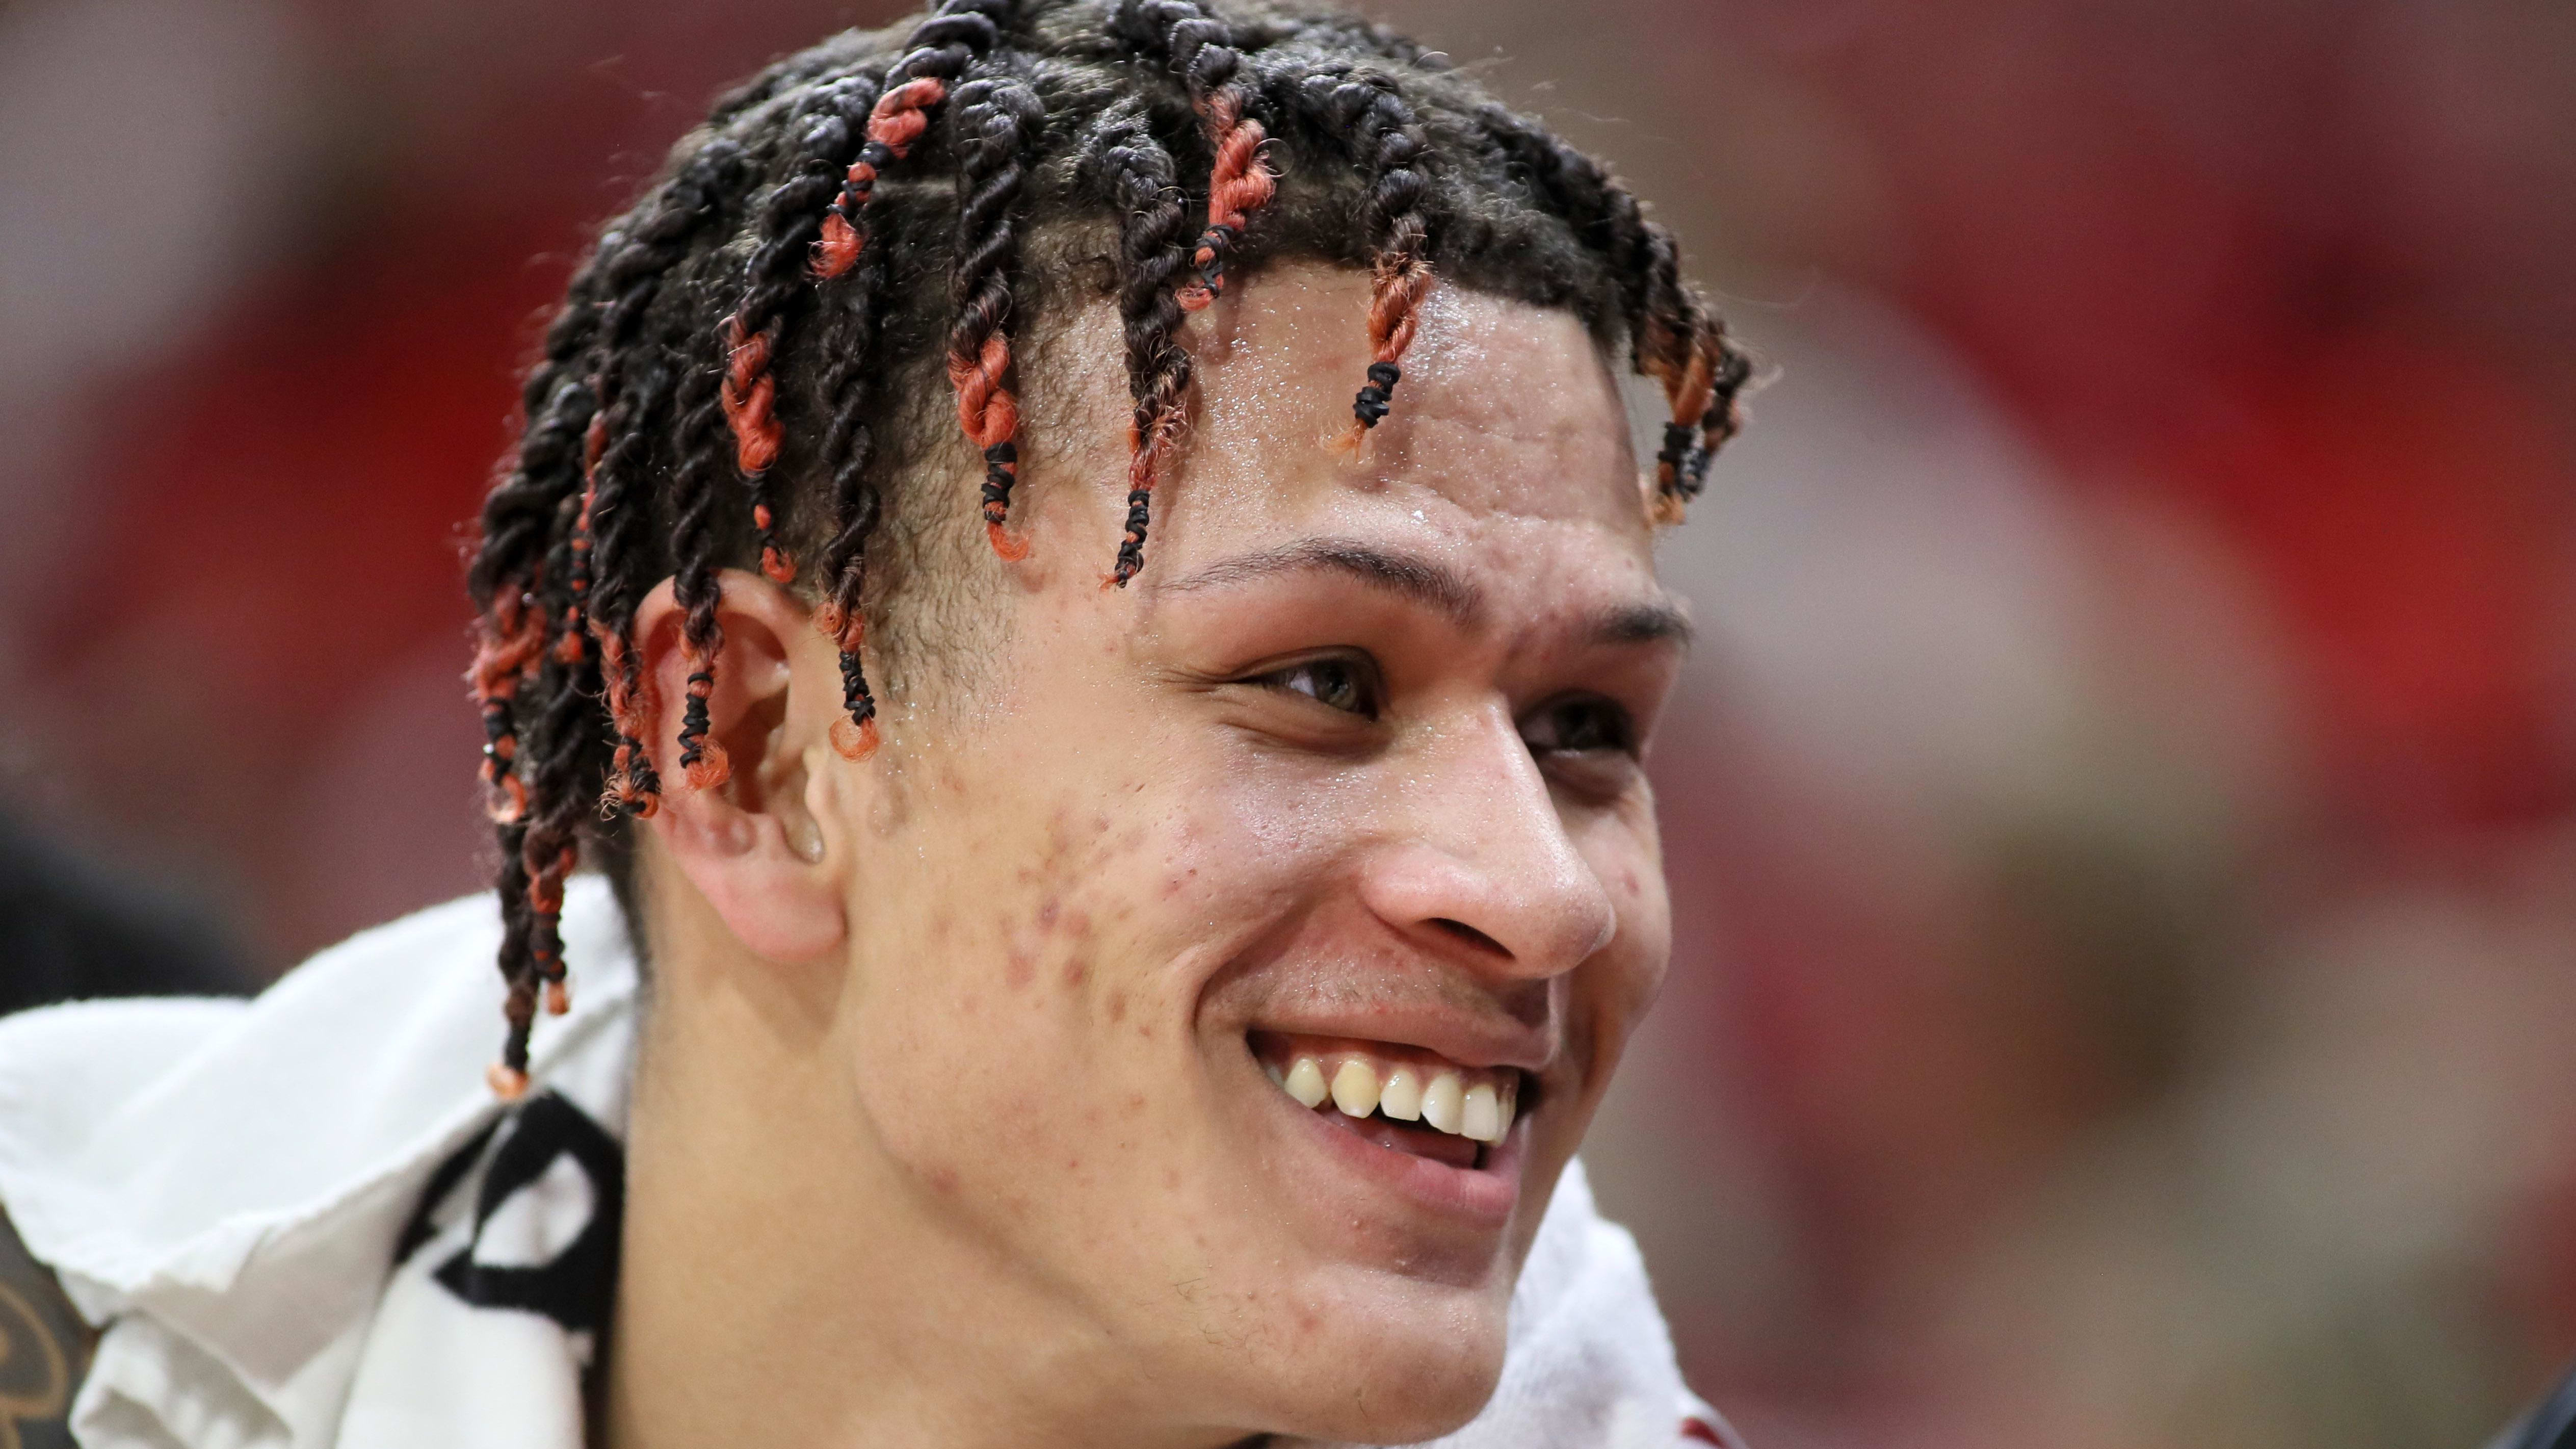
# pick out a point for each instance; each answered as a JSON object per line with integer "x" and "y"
{"x": 302, "y": 1222}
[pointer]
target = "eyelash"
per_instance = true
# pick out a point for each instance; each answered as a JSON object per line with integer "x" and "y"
{"x": 1600, "y": 724}
{"x": 1609, "y": 721}
{"x": 1331, "y": 674}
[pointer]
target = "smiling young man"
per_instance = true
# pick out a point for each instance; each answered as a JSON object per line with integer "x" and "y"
{"x": 1039, "y": 992}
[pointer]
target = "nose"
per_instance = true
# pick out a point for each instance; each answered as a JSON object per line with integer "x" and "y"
{"x": 1479, "y": 856}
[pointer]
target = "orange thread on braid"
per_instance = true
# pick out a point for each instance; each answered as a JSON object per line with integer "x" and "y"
{"x": 1395, "y": 309}
{"x": 990, "y": 414}
{"x": 558, "y": 998}
{"x": 845, "y": 631}
{"x": 512, "y": 805}
{"x": 712, "y": 767}
{"x": 1698, "y": 385}
{"x": 988, "y": 410}
{"x": 1238, "y": 185}
{"x": 1691, "y": 389}
{"x": 750, "y": 398}
{"x": 839, "y": 248}
{"x": 901, "y": 114}
{"x": 629, "y": 697}
{"x": 511, "y": 642}
{"x": 897, "y": 120}
{"x": 545, "y": 890}
{"x": 568, "y": 648}
{"x": 513, "y": 637}
{"x": 775, "y": 565}
{"x": 855, "y": 741}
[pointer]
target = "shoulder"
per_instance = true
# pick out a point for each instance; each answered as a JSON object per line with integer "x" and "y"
{"x": 44, "y": 1349}
{"x": 135, "y": 1133}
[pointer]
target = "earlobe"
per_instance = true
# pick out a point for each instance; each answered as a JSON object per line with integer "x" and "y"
{"x": 747, "y": 842}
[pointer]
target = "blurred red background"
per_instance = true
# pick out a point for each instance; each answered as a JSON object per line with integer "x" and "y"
{"x": 2123, "y": 813}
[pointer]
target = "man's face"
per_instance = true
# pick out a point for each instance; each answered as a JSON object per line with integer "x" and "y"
{"x": 1343, "y": 792}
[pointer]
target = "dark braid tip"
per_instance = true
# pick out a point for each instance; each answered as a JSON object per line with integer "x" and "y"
{"x": 703, "y": 762}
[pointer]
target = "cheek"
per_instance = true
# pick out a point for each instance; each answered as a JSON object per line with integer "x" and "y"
{"x": 1001, "y": 973}
{"x": 1612, "y": 993}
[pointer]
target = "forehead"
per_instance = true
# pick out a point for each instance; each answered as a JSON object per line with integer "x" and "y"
{"x": 1507, "y": 433}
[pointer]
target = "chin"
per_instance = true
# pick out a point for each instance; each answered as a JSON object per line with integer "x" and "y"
{"x": 1387, "y": 1362}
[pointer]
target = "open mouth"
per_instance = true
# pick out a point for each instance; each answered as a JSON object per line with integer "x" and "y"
{"x": 1402, "y": 1098}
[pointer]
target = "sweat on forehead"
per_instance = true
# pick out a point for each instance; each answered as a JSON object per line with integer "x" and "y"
{"x": 754, "y": 366}
{"x": 1504, "y": 393}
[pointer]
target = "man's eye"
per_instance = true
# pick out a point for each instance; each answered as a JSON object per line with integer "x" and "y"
{"x": 1579, "y": 726}
{"x": 1345, "y": 683}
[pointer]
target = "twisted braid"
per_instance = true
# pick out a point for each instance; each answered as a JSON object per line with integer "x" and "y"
{"x": 558, "y": 736}
{"x": 505, "y": 574}
{"x": 1673, "y": 335}
{"x": 694, "y": 585}
{"x": 996, "y": 118}
{"x": 773, "y": 282}
{"x": 847, "y": 448}
{"x": 1239, "y": 183}
{"x": 1387, "y": 140}
{"x": 1153, "y": 242}
{"x": 506, "y": 581}
{"x": 958, "y": 33}
{"x": 616, "y": 531}
{"x": 634, "y": 269}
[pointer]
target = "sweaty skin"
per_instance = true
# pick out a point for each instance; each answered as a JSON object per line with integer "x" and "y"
{"x": 949, "y": 1128}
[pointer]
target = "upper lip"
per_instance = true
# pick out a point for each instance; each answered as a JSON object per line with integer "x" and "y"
{"x": 1468, "y": 1040}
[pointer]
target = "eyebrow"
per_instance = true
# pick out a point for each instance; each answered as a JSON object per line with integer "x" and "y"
{"x": 1641, "y": 624}
{"x": 1428, "y": 582}
{"x": 1424, "y": 581}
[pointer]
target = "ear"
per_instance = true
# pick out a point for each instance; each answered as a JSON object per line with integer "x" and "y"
{"x": 751, "y": 843}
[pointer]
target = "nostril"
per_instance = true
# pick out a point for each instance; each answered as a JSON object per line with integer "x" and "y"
{"x": 1471, "y": 936}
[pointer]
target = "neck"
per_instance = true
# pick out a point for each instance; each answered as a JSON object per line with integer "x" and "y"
{"x": 784, "y": 1282}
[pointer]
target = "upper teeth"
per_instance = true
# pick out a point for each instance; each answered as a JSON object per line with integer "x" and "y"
{"x": 1480, "y": 1110}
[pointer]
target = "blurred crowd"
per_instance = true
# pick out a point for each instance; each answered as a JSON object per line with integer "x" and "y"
{"x": 2122, "y": 809}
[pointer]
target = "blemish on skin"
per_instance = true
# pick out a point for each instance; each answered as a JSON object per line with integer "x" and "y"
{"x": 1048, "y": 910}
{"x": 1171, "y": 1179}
{"x": 943, "y": 1181}
{"x": 1117, "y": 1006}
{"x": 1020, "y": 969}
{"x": 1136, "y": 1102}
{"x": 1076, "y": 971}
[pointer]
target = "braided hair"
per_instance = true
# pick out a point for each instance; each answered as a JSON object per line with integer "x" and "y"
{"x": 742, "y": 372}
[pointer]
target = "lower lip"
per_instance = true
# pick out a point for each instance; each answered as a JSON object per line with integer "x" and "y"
{"x": 1484, "y": 1196}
